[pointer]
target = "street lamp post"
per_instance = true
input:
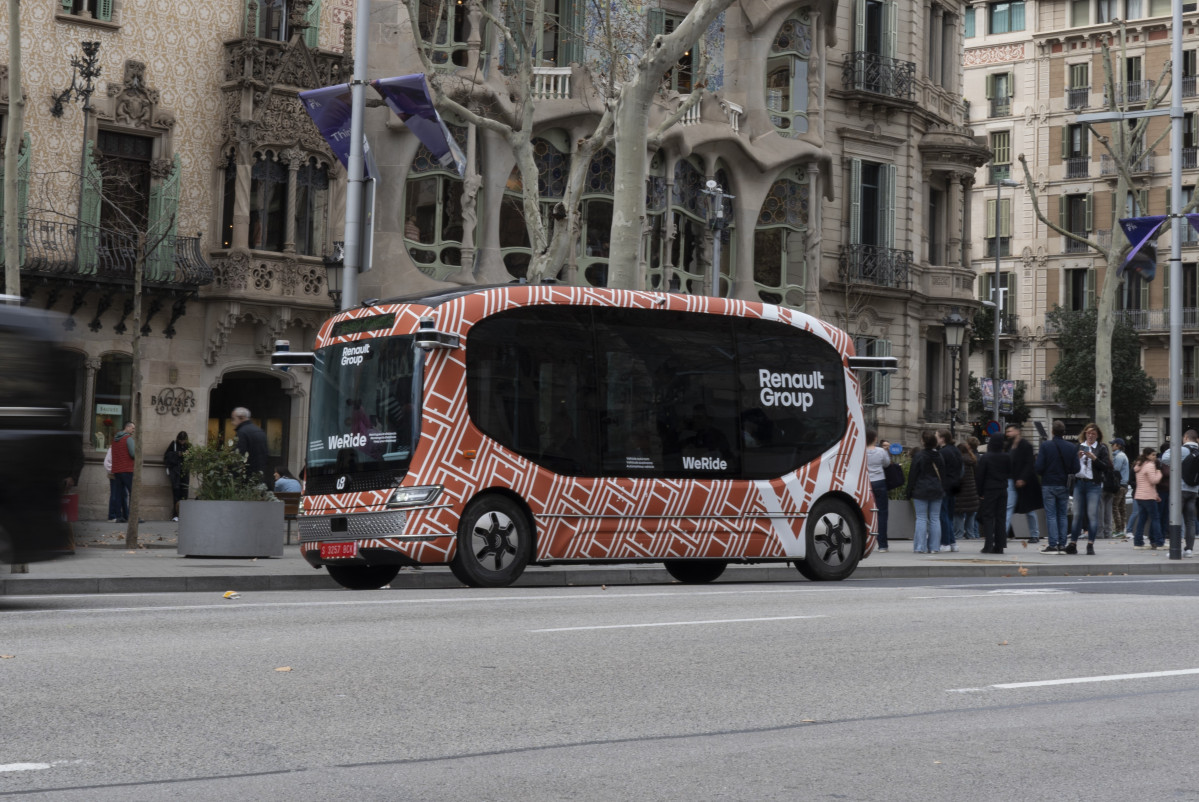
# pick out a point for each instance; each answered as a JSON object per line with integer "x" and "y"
{"x": 335, "y": 268}
{"x": 1000, "y": 183}
{"x": 85, "y": 71}
{"x": 718, "y": 223}
{"x": 955, "y": 332}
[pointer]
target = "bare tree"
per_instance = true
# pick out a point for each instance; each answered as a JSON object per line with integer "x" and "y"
{"x": 1126, "y": 149}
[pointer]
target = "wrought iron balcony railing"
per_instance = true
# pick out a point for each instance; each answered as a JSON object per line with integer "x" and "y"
{"x": 870, "y": 264}
{"x": 1132, "y": 92}
{"x": 1009, "y": 324}
{"x": 60, "y": 248}
{"x": 1078, "y": 167}
{"x": 1189, "y": 162}
{"x": 1078, "y": 97}
{"x": 1190, "y": 389}
{"x": 1138, "y": 164}
{"x": 1074, "y": 246}
{"x": 870, "y": 72}
{"x": 1001, "y": 107}
{"x": 1157, "y": 319}
{"x": 1188, "y": 86}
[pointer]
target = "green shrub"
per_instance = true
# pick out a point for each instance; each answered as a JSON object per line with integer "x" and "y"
{"x": 221, "y": 471}
{"x": 905, "y": 461}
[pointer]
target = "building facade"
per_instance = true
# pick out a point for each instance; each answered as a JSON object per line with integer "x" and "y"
{"x": 838, "y": 128}
{"x": 1030, "y": 68}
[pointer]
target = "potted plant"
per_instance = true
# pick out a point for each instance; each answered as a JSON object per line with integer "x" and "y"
{"x": 901, "y": 516}
{"x": 233, "y": 514}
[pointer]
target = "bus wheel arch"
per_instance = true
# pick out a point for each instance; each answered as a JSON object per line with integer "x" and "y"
{"x": 835, "y": 539}
{"x": 496, "y": 540}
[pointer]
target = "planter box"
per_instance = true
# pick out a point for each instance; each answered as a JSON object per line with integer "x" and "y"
{"x": 231, "y": 529}
{"x": 901, "y": 519}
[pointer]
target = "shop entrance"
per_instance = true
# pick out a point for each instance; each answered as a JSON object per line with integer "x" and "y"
{"x": 269, "y": 405}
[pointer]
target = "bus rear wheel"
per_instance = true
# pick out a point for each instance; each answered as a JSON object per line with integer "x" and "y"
{"x": 495, "y": 543}
{"x": 835, "y": 540}
{"x": 695, "y": 572}
{"x": 363, "y": 577}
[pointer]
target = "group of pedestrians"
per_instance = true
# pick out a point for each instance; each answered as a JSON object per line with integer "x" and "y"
{"x": 958, "y": 493}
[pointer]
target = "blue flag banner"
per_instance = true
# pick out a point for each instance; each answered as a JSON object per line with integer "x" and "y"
{"x": 408, "y": 96}
{"x": 1193, "y": 219}
{"x": 329, "y": 107}
{"x": 1139, "y": 231}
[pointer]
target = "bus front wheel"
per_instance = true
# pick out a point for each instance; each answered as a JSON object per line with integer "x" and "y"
{"x": 363, "y": 577}
{"x": 495, "y": 543}
{"x": 695, "y": 572}
{"x": 835, "y": 541}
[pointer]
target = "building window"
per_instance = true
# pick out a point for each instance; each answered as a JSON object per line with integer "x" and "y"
{"x": 443, "y": 28}
{"x": 1079, "y": 89}
{"x": 96, "y": 9}
{"x": 124, "y": 161}
{"x": 779, "y": 240}
{"x": 681, "y": 77}
{"x": 688, "y": 212}
{"x": 1004, "y": 362}
{"x": 999, "y": 91}
{"x": 1005, "y": 17}
{"x": 114, "y": 398}
{"x": 1001, "y": 161}
{"x": 1080, "y": 289}
{"x": 1076, "y": 151}
{"x": 876, "y": 386}
{"x": 1134, "y": 294}
{"x": 787, "y": 76}
{"x": 228, "y": 199}
{"x": 312, "y": 208}
{"x": 1076, "y": 215}
{"x": 1188, "y": 73}
{"x": 999, "y": 227}
{"x": 969, "y": 22}
{"x": 268, "y": 202}
{"x": 433, "y": 212}
{"x": 273, "y": 20}
{"x": 1004, "y": 298}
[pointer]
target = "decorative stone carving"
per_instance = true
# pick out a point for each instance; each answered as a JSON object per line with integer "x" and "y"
{"x": 998, "y": 54}
{"x": 262, "y": 276}
{"x": 134, "y": 104}
{"x": 290, "y": 277}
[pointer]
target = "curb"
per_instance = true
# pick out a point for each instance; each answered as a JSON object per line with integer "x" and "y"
{"x": 587, "y": 577}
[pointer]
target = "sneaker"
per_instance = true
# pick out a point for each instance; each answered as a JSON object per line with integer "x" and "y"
{"x": 953, "y": 546}
{"x": 1049, "y": 550}
{"x": 1140, "y": 548}
{"x": 883, "y": 550}
{"x": 176, "y": 520}
{"x": 1187, "y": 553}
{"x": 114, "y": 520}
{"x": 1091, "y": 549}
{"x": 1032, "y": 541}
{"x": 1071, "y": 548}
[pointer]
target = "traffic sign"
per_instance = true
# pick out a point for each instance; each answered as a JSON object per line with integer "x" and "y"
{"x": 896, "y": 449}
{"x": 993, "y": 428}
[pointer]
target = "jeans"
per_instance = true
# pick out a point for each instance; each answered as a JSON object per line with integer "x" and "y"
{"x": 1034, "y": 529}
{"x": 1163, "y": 510}
{"x": 1148, "y": 516}
{"x": 115, "y": 493}
{"x": 963, "y": 524}
{"x": 1119, "y": 513}
{"x": 1134, "y": 516}
{"x": 1188, "y": 517}
{"x": 1056, "y": 514}
{"x": 879, "y": 489}
{"x": 1087, "y": 497}
{"x": 928, "y": 525}
{"x": 1105, "y": 514}
{"x": 126, "y": 482}
{"x": 947, "y": 534}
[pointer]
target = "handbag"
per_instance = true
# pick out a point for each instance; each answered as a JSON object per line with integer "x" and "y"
{"x": 893, "y": 476}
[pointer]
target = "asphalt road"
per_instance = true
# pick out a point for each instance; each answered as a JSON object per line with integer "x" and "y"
{"x": 1020, "y": 689}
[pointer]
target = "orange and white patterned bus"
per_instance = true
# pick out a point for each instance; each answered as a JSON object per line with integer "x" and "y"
{"x": 492, "y": 428}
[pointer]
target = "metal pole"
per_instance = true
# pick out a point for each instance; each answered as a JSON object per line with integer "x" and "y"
{"x": 353, "y": 234}
{"x": 953, "y": 398}
{"x": 1176, "y": 451}
{"x": 995, "y": 296}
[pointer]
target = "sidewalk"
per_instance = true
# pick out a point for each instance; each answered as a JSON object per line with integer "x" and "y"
{"x": 102, "y": 564}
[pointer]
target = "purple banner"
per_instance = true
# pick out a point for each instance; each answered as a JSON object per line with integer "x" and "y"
{"x": 329, "y": 107}
{"x": 1139, "y": 231}
{"x": 408, "y": 96}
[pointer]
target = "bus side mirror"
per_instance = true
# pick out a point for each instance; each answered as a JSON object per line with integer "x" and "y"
{"x": 283, "y": 357}
{"x": 875, "y": 364}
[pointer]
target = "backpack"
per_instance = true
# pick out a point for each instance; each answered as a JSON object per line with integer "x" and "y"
{"x": 893, "y": 476}
{"x": 1111, "y": 480}
{"x": 1190, "y": 466}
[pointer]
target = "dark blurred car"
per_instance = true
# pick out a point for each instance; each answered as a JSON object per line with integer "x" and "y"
{"x": 39, "y": 450}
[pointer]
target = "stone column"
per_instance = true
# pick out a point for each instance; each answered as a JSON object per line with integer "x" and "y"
{"x": 295, "y": 160}
{"x": 934, "y": 42}
{"x": 953, "y": 226}
{"x": 91, "y": 367}
{"x": 967, "y": 220}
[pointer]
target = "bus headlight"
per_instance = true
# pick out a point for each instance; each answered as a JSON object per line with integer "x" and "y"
{"x": 414, "y": 496}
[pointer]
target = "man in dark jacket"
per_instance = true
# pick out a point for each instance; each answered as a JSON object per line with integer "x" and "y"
{"x": 1024, "y": 491}
{"x": 1056, "y": 462}
{"x": 992, "y": 474}
{"x": 953, "y": 483}
{"x": 251, "y": 440}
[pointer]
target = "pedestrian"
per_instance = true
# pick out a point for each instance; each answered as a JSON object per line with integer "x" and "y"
{"x": 1190, "y": 447}
{"x": 1093, "y": 462}
{"x": 1120, "y": 464}
{"x": 1024, "y": 491}
{"x": 965, "y": 506}
{"x": 876, "y": 460}
{"x": 172, "y": 458}
{"x": 953, "y": 484}
{"x": 285, "y": 482}
{"x": 1148, "y": 473}
{"x": 115, "y": 489}
{"x": 123, "y": 449}
{"x": 251, "y": 441}
{"x": 974, "y": 448}
{"x": 926, "y": 490}
{"x": 1057, "y": 461}
{"x": 993, "y": 475}
{"x": 1163, "y": 488}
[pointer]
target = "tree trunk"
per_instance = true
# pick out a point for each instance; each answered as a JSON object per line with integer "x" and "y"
{"x": 16, "y": 122}
{"x": 1104, "y": 327}
{"x": 135, "y": 496}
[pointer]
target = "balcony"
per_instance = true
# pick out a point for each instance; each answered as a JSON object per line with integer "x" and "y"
{"x": 551, "y": 83}
{"x": 1190, "y": 390}
{"x": 1004, "y": 244}
{"x": 1000, "y": 172}
{"x": 1188, "y": 86}
{"x": 1139, "y": 164}
{"x": 1073, "y": 245}
{"x": 1078, "y": 97}
{"x": 880, "y": 75}
{"x": 1078, "y": 167}
{"x": 1189, "y": 162}
{"x": 1157, "y": 319}
{"x": 1048, "y": 391}
{"x": 1132, "y": 92}
{"x": 870, "y": 264}
{"x": 1001, "y": 107}
{"x": 1009, "y": 324}
{"x": 259, "y": 61}
{"x": 48, "y": 249}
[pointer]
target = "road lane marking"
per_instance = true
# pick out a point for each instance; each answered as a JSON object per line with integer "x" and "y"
{"x": 678, "y": 623}
{"x": 1005, "y": 592}
{"x": 1079, "y": 680}
{"x": 23, "y": 766}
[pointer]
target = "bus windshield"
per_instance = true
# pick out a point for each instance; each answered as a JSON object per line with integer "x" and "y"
{"x": 364, "y": 407}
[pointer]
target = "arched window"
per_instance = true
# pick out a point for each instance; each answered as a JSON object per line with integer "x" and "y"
{"x": 779, "y": 263}
{"x": 312, "y": 207}
{"x": 228, "y": 199}
{"x": 268, "y": 202}
{"x": 114, "y": 398}
{"x": 551, "y": 154}
{"x": 688, "y": 213}
{"x": 433, "y": 213}
{"x": 443, "y": 27}
{"x": 787, "y": 76}
{"x": 596, "y": 230}
{"x": 655, "y": 207}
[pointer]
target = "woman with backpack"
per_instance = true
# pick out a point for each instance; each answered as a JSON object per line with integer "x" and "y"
{"x": 926, "y": 491}
{"x": 965, "y": 506}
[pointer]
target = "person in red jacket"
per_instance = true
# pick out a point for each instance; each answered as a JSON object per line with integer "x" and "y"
{"x": 123, "y": 449}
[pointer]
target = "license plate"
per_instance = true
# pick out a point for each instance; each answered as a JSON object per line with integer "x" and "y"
{"x": 339, "y": 551}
